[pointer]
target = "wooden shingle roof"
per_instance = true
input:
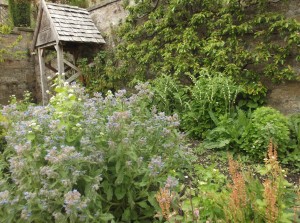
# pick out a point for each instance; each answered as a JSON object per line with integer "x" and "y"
{"x": 65, "y": 23}
{"x": 74, "y": 24}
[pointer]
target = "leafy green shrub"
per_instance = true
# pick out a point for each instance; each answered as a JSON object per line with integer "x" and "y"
{"x": 209, "y": 95}
{"x": 95, "y": 78}
{"x": 252, "y": 96}
{"x": 266, "y": 123}
{"x": 98, "y": 159}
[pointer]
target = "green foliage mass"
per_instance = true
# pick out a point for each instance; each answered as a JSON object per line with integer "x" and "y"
{"x": 244, "y": 40}
{"x": 94, "y": 76}
{"x": 79, "y": 3}
{"x": 20, "y": 11}
{"x": 251, "y": 132}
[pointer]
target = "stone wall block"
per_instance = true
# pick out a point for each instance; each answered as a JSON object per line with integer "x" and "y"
{"x": 17, "y": 74}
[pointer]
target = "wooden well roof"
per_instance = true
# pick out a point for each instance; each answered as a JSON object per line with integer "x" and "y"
{"x": 64, "y": 23}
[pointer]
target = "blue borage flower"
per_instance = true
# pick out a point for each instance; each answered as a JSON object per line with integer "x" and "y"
{"x": 25, "y": 214}
{"x": 73, "y": 202}
{"x": 156, "y": 165}
{"x": 4, "y": 197}
{"x": 171, "y": 182}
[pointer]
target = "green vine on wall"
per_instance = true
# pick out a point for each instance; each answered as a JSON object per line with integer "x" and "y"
{"x": 20, "y": 11}
{"x": 9, "y": 51}
{"x": 242, "y": 39}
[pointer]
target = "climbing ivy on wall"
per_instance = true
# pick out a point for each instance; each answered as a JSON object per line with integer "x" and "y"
{"x": 242, "y": 39}
{"x": 20, "y": 12}
{"x": 8, "y": 51}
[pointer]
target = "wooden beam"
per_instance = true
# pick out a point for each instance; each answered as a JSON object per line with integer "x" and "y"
{"x": 47, "y": 45}
{"x": 42, "y": 76}
{"x": 73, "y": 77}
{"x": 36, "y": 32}
{"x": 49, "y": 66}
{"x": 71, "y": 65}
{"x": 43, "y": 3}
{"x": 60, "y": 59}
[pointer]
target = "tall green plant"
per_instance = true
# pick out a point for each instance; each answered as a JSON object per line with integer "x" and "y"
{"x": 209, "y": 96}
{"x": 293, "y": 154}
{"x": 170, "y": 95}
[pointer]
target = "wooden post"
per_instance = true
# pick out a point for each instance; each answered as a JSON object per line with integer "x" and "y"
{"x": 42, "y": 74}
{"x": 60, "y": 59}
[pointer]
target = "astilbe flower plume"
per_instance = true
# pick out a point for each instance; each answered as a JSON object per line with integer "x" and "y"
{"x": 164, "y": 198}
{"x": 272, "y": 160}
{"x": 270, "y": 191}
{"x": 271, "y": 185}
{"x": 238, "y": 196}
{"x": 297, "y": 205}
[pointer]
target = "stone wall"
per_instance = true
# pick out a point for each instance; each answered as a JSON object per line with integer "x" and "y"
{"x": 17, "y": 72}
{"x": 286, "y": 96}
{"x": 107, "y": 15}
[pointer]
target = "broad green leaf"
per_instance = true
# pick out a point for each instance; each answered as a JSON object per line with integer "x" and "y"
{"x": 106, "y": 217}
{"x": 126, "y": 215}
{"x": 31, "y": 136}
{"x": 143, "y": 204}
{"x": 120, "y": 192}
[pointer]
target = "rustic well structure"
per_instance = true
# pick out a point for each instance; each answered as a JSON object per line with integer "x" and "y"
{"x": 60, "y": 33}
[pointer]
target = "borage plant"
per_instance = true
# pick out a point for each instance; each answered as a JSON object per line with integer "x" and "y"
{"x": 83, "y": 159}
